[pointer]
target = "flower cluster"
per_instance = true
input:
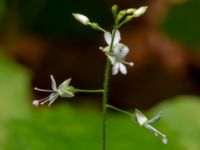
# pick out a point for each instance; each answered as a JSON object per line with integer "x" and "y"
{"x": 63, "y": 90}
{"x": 117, "y": 53}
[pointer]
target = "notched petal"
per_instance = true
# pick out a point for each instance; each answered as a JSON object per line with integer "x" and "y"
{"x": 107, "y": 37}
{"x": 124, "y": 51}
{"x": 122, "y": 68}
{"x": 53, "y": 83}
{"x": 115, "y": 69}
{"x": 117, "y": 37}
{"x": 64, "y": 84}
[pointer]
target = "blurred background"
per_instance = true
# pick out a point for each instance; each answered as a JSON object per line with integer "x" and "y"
{"x": 40, "y": 37}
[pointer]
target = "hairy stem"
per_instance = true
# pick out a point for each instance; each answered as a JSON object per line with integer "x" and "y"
{"x": 105, "y": 94}
{"x": 89, "y": 91}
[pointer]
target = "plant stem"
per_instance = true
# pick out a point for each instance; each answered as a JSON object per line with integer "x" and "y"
{"x": 89, "y": 91}
{"x": 105, "y": 93}
{"x": 105, "y": 100}
{"x": 120, "y": 110}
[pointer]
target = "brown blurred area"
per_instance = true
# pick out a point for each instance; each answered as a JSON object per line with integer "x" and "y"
{"x": 163, "y": 67}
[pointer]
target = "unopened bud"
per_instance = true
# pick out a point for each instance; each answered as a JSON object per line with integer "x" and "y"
{"x": 140, "y": 11}
{"x": 114, "y": 9}
{"x": 81, "y": 18}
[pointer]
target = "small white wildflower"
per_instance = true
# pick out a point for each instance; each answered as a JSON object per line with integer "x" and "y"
{"x": 117, "y": 59}
{"x": 108, "y": 39}
{"x": 63, "y": 90}
{"x": 81, "y": 18}
{"x": 142, "y": 120}
{"x": 119, "y": 53}
{"x": 140, "y": 11}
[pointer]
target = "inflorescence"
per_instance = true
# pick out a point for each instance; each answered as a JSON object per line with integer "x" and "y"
{"x": 116, "y": 53}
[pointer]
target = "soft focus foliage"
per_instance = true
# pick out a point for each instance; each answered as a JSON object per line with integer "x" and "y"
{"x": 183, "y": 22}
{"x": 64, "y": 127}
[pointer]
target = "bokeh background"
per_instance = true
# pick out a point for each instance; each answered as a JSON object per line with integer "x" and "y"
{"x": 40, "y": 37}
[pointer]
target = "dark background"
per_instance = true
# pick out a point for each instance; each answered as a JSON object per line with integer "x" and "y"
{"x": 43, "y": 36}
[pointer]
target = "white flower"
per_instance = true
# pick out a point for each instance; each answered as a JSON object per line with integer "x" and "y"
{"x": 140, "y": 11}
{"x": 63, "y": 90}
{"x": 108, "y": 39}
{"x": 117, "y": 58}
{"x": 142, "y": 120}
{"x": 119, "y": 53}
{"x": 81, "y": 18}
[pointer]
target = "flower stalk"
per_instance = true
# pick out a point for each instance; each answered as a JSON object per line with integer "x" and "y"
{"x": 115, "y": 53}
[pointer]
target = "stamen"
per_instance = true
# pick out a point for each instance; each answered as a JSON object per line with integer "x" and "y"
{"x": 42, "y": 103}
{"x": 43, "y": 90}
{"x": 128, "y": 63}
{"x": 101, "y": 48}
{"x": 156, "y": 133}
{"x": 164, "y": 140}
{"x": 36, "y": 103}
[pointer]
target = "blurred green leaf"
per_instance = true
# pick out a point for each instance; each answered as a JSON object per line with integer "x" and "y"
{"x": 183, "y": 23}
{"x": 14, "y": 89}
{"x": 64, "y": 127}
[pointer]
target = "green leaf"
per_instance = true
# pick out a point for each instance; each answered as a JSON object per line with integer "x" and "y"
{"x": 64, "y": 127}
{"x": 15, "y": 93}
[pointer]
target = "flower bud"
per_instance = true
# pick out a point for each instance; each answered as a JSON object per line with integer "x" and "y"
{"x": 81, "y": 18}
{"x": 114, "y": 9}
{"x": 140, "y": 11}
{"x": 130, "y": 10}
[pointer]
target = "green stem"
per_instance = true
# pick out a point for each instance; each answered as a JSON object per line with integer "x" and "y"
{"x": 105, "y": 100}
{"x": 96, "y": 26}
{"x": 105, "y": 94}
{"x": 120, "y": 110}
{"x": 89, "y": 91}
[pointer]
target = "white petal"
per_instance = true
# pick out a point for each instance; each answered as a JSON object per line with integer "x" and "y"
{"x": 65, "y": 93}
{"x": 124, "y": 51}
{"x": 156, "y": 118}
{"x": 117, "y": 37}
{"x": 122, "y": 68}
{"x": 53, "y": 83}
{"x": 116, "y": 49}
{"x": 107, "y": 37}
{"x": 141, "y": 118}
{"x": 64, "y": 84}
{"x": 115, "y": 69}
{"x": 52, "y": 100}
